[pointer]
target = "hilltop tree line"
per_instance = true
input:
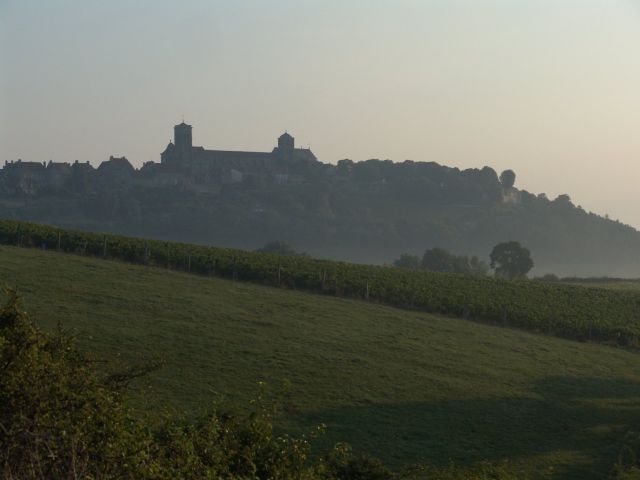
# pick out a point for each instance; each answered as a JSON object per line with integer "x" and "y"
{"x": 356, "y": 211}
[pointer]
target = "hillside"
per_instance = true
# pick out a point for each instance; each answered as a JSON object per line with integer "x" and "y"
{"x": 365, "y": 212}
{"x": 404, "y": 386}
{"x": 610, "y": 316}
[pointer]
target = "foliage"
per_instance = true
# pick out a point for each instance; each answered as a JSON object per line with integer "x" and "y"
{"x": 511, "y": 260}
{"x": 278, "y": 247}
{"x": 563, "y": 310}
{"x": 439, "y": 260}
{"x": 507, "y": 179}
{"x": 343, "y": 464}
{"x": 60, "y": 420}
{"x": 564, "y": 200}
{"x": 548, "y": 277}
{"x": 407, "y": 261}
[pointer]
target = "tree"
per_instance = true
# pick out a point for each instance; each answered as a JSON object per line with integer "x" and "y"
{"x": 564, "y": 200}
{"x": 55, "y": 412}
{"x": 407, "y": 261}
{"x": 507, "y": 179}
{"x": 477, "y": 266}
{"x": 440, "y": 260}
{"x": 511, "y": 260}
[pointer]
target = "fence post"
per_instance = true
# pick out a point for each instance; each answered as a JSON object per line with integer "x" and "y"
{"x": 104, "y": 247}
{"x": 59, "y": 234}
{"x": 367, "y": 294}
{"x": 279, "y": 274}
{"x": 189, "y": 264}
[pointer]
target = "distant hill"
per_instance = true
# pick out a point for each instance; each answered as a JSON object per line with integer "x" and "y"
{"x": 404, "y": 386}
{"x": 368, "y": 212}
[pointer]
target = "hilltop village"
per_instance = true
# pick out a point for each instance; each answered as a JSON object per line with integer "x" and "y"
{"x": 183, "y": 165}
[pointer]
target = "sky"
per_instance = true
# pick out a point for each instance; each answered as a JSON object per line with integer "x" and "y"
{"x": 547, "y": 88}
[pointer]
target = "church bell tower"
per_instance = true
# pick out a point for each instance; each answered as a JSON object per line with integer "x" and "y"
{"x": 285, "y": 142}
{"x": 182, "y": 137}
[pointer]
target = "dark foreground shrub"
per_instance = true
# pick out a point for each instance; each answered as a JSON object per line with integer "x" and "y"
{"x": 57, "y": 418}
{"x": 60, "y": 420}
{"x": 341, "y": 463}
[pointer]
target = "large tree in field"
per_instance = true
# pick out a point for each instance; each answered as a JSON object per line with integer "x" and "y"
{"x": 511, "y": 260}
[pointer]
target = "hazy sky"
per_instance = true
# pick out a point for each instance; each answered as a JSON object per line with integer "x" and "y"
{"x": 549, "y": 88}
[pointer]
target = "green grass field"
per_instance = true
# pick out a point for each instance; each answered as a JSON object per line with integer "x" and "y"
{"x": 404, "y": 386}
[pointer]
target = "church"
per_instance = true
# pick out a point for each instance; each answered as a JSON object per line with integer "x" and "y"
{"x": 182, "y": 155}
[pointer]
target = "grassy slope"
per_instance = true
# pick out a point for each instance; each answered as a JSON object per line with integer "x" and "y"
{"x": 402, "y": 385}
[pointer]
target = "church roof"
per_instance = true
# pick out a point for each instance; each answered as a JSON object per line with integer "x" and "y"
{"x": 83, "y": 165}
{"x": 183, "y": 125}
{"x": 229, "y": 154}
{"x": 27, "y": 166}
{"x": 285, "y": 135}
{"x": 58, "y": 166}
{"x": 170, "y": 147}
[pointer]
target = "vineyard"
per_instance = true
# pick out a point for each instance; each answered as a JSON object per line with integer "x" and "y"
{"x": 575, "y": 312}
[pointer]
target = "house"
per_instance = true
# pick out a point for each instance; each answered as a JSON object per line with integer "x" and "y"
{"x": 117, "y": 171}
{"x": 58, "y": 174}
{"x": 25, "y": 177}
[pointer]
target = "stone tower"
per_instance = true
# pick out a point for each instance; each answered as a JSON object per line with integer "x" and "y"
{"x": 182, "y": 137}
{"x": 285, "y": 143}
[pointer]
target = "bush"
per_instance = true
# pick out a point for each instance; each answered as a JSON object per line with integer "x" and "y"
{"x": 343, "y": 464}
{"x": 59, "y": 420}
{"x": 407, "y": 261}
